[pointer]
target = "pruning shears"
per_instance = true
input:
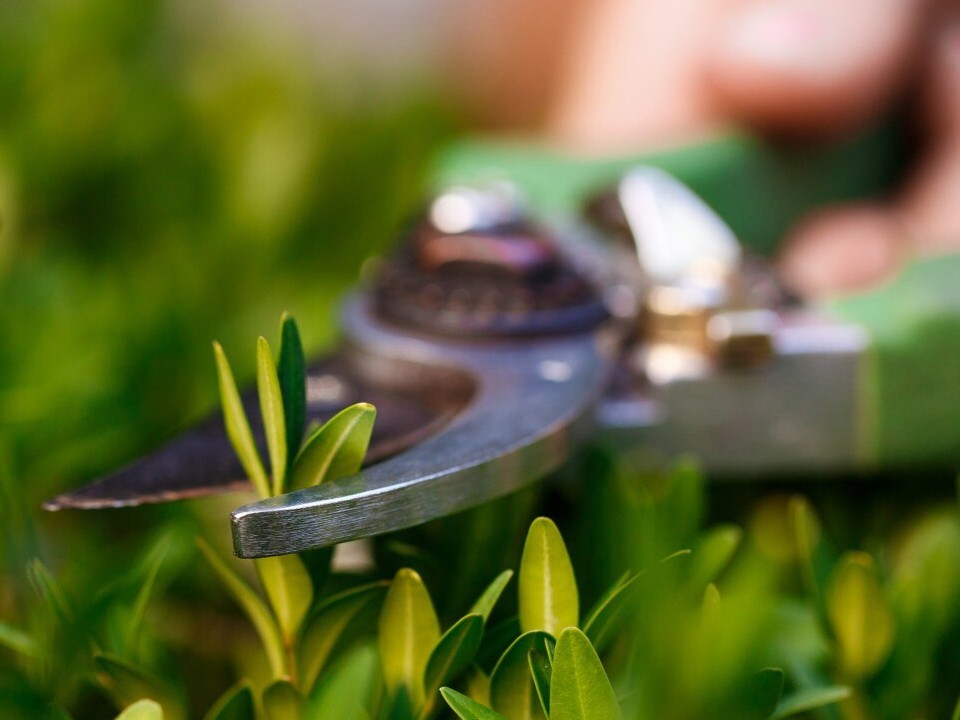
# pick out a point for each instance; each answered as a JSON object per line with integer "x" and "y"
{"x": 493, "y": 343}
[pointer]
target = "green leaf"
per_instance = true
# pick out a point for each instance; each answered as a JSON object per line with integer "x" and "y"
{"x": 237, "y": 703}
{"x": 488, "y": 599}
{"x": 289, "y": 589}
{"x": 541, "y": 670}
{"x": 604, "y": 619}
{"x": 805, "y": 701}
{"x": 956, "y": 709}
{"x": 142, "y": 710}
{"x": 579, "y": 688}
{"x": 710, "y": 606}
{"x": 408, "y": 632}
{"x": 762, "y": 694}
{"x": 127, "y": 684}
{"x": 271, "y": 409}
{"x": 548, "y": 589}
{"x": 330, "y": 624}
{"x": 860, "y": 615}
{"x": 453, "y": 654}
{"x": 49, "y": 590}
{"x": 18, "y": 641}
{"x": 806, "y": 531}
{"x": 467, "y": 709}
{"x": 254, "y": 608}
{"x": 282, "y": 701}
{"x": 291, "y": 371}
{"x": 342, "y": 693}
{"x": 478, "y": 685}
{"x": 399, "y": 706}
{"x": 135, "y": 621}
{"x": 512, "y": 692}
{"x": 336, "y": 449}
{"x": 713, "y": 553}
{"x": 238, "y": 429}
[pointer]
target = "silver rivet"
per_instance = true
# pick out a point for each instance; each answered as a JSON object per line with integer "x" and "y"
{"x": 555, "y": 370}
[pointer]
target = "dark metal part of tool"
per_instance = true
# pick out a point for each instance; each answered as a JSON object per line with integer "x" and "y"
{"x": 491, "y": 345}
{"x": 473, "y": 267}
{"x": 532, "y": 404}
{"x": 411, "y": 405}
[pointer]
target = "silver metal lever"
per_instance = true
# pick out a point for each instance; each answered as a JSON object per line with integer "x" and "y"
{"x": 532, "y": 406}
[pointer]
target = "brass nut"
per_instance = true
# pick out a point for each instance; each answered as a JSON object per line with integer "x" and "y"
{"x": 742, "y": 339}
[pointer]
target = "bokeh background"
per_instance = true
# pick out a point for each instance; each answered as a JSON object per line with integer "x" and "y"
{"x": 173, "y": 172}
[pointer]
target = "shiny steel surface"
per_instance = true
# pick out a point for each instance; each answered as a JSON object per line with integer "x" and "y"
{"x": 487, "y": 354}
{"x": 801, "y": 413}
{"x": 410, "y": 406}
{"x": 525, "y": 419}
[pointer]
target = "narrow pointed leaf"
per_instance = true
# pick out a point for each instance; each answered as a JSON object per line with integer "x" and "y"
{"x": 541, "y": 671}
{"x": 282, "y": 701}
{"x": 142, "y": 710}
{"x": 860, "y": 615}
{"x": 18, "y": 641}
{"x": 806, "y": 532}
{"x": 271, "y": 408}
{"x": 488, "y": 599}
{"x": 400, "y": 706}
{"x": 289, "y": 589}
{"x": 453, "y": 653}
{"x": 134, "y": 624}
{"x": 548, "y": 589}
{"x": 237, "y": 703}
{"x": 49, "y": 590}
{"x": 344, "y": 692}
{"x": 512, "y": 692}
{"x": 253, "y": 606}
{"x": 408, "y": 632}
{"x": 467, "y": 709}
{"x": 710, "y": 606}
{"x": 805, "y": 701}
{"x": 238, "y": 429}
{"x": 579, "y": 687}
{"x": 330, "y": 625}
{"x": 292, "y": 374}
{"x": 762, "y": 694}
{"x": 714, "y": 553}
{"x": 336, "y": 449}
{"x": 606, "y": 616}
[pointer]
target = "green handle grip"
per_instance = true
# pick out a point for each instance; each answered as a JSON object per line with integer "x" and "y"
{"x": 911, "y": 384}
{"x": 758, "y": 188}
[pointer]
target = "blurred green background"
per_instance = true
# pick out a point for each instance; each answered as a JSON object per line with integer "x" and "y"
{"x": 171, "y": 173}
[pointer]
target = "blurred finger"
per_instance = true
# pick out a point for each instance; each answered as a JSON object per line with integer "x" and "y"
{"x": 931, "y": 200}
{"x": 816, "y": 67}
{"x": 850, "y": 249}
{"x": 844, "y": 250}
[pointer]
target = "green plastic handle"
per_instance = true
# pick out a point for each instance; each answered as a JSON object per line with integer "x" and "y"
{"x": 758, "y": 188}
{"x": 911, "y": 385}
{"x": 910, "y": 412}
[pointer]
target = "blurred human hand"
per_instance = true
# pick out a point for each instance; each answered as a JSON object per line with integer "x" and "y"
{"x": 631, "y": 75}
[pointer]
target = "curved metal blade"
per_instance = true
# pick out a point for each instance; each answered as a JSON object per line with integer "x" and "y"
{"x": 523, "y": 421}
{"x": 201, "y": 462}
